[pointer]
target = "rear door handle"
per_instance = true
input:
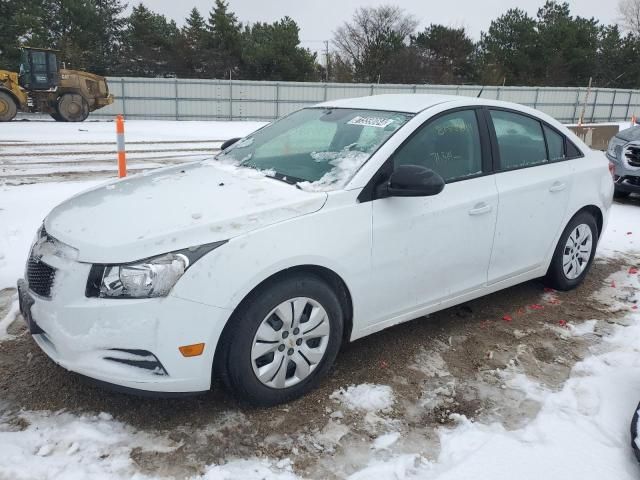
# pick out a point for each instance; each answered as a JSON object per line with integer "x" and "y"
{"x": 557, "y": 187}
{"x": 480, "y": 209}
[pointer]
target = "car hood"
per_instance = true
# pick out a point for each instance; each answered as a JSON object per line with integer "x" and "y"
{"x": 630, "y": 134}
{"x": 174, "y": 208}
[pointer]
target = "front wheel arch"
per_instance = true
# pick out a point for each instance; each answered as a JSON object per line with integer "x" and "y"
{"x": 327, "y": 275}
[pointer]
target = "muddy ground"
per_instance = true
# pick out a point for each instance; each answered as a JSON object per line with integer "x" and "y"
{"x": 451, "y": 362}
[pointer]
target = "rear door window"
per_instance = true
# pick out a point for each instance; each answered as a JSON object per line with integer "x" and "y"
{"x": 555, "y": 143}
{"x": 520, "y": 140}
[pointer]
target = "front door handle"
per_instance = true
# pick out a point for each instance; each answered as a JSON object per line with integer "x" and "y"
{"x": 557, "y": 187}
{"x": 480, "y": 209}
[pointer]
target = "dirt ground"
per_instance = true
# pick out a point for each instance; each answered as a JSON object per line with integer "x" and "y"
{"x": 448, "y": 363}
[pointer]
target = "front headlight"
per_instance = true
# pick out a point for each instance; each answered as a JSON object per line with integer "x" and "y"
{"x": 148, "y": 278}
{"x": 615, "y": 147}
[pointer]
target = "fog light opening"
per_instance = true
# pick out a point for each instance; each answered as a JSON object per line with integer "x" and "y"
{"x": 192, "y": 350}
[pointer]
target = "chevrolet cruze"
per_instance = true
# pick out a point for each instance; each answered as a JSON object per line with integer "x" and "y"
{"x": 330, "y": 224}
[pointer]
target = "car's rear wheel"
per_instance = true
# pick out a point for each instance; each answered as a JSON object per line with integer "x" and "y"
{"x": 574, "y": 253}
{"x": 282, "y": 340}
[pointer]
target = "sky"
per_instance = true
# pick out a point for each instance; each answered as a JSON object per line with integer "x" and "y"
{"x": 318, "y": 19}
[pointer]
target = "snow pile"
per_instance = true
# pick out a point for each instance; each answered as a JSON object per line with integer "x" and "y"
{"x": 345, "y": 164}
{"x": 366, "y": 397}
{"x": 250, "y": 470}
{"x": 66, "y": 446}
{"x": 622, "y": 233}
{"x": 385, "y": 441}
{"x": 9, "y": 318}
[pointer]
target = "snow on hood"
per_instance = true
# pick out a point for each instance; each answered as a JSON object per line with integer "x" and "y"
{"x": 174, "y": 208}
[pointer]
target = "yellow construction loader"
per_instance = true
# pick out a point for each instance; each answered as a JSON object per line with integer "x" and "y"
{"x": 42, "y": 86}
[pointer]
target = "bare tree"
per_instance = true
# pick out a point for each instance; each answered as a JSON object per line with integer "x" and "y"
{"x": 372, "y": 37}
{"x": 629, "y": 11}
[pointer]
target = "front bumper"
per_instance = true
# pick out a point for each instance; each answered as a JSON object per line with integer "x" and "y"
{"x": 130, "y": 343}
{"x": 626, "y": 178}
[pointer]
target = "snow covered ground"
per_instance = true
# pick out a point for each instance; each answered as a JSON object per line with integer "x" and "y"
{"x": 33, "y": 150}
{"x": 580, "y": 429}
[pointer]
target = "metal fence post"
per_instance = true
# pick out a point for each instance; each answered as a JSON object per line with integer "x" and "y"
{"x": 124, "y": 96}
{"x": 277, "y": 100}
{"x": 498, "y": 94}
{"x": 325, "y": 91}
{"x": 628, "y": 105}
{"x": 575, "y": 108}
{"x": 613, "y": 103}
{"x": 535, "y": 100}
{"x": 230, "y": 98}
{"x": 371, "y": 90}
{"x": 176, "y": 95}
{"x": 595, "y": 102}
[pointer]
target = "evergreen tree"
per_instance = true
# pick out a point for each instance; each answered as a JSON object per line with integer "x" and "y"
{"x": 108, "y": 39}
{"x": 273, "y": 52}
{"x": 194, "y": 44}
{"x": 509, "y": 49}
{"x": 150, "y": 44}
{"x": 446, "y": 54}
{"x": 223, "y": 46}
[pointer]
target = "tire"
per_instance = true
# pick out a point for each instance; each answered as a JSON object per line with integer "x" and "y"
{"x": 620, "y": 194}
{"x": 56, "y": 116}
{"x": 582, "y": 227}
{"x": 72, "y": 108}
{"x": 635, "y": 433}
{"x": 306, "y": 357}
{"x": 8, "y": 107}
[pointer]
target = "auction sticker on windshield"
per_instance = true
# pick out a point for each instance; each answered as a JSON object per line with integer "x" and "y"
{"x": 378, "y": 122}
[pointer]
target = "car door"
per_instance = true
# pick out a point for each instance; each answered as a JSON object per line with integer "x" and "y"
{"x": 533, "y": 187}
{"x": 428, "y": 249}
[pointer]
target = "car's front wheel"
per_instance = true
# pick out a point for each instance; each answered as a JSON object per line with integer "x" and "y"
{"x": 282, "y": 340}
{"x": 574, "y": 253}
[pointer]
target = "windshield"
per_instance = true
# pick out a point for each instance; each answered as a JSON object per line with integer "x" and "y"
{"x": 318, "y": 148}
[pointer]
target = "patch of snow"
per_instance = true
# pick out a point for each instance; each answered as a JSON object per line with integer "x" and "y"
{"x": 72, "y": 447}
{"x": 23, "y": 209}
{"x": 250, "y": 470}
{"x": 622, "y": 234}
{"x": 385, "y": 441}
{"x": 399, "y": 467}
{"x": 9, "y": 319}
{"x": 345, "y": 164}
{"x": 366, "y": 397}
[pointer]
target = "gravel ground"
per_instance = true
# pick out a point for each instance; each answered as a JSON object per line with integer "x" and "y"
{"x": 447, "y": 363}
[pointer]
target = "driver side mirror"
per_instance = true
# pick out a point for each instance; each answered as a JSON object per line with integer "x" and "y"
{"x": 228, "y": 143}
{"x": 411, "y": 181}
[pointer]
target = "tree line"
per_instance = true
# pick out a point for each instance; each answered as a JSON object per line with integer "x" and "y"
{"x": 377, "y": 44}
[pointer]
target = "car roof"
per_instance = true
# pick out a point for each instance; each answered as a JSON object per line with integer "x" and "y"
{"x": 395, "y": 102}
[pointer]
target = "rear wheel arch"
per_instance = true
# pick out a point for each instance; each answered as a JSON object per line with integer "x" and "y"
{"x": 331, "y": 278}
{"x": 595, "y": 212}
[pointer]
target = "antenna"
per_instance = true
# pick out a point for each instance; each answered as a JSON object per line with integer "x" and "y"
{"x": 480, "y": 93}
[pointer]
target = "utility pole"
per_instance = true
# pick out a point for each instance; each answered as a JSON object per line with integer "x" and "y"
{"x": 328, "y": 61}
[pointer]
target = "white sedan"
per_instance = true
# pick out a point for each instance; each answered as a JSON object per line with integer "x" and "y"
{"x": 328, "y": 225}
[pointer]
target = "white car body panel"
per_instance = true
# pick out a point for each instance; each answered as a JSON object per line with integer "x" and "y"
{"x": 399, "y": 258}
{"x": 182, "y": 206}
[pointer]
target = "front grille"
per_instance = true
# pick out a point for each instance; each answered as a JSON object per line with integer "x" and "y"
{"x": 40, "y": 277}
{"x": 633, "y": 155}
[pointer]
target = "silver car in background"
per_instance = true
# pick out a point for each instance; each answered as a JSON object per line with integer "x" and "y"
{"x": 624, "y": 154}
